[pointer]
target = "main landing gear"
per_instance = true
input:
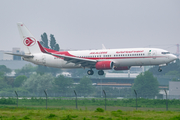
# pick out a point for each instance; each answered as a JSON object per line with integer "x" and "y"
{"x": 91, "y": 72}
{"x": 100, "y": 72}
{"x": 160, "y": 70}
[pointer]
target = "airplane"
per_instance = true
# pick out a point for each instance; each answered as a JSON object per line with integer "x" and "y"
{"x": 103, "y": 59}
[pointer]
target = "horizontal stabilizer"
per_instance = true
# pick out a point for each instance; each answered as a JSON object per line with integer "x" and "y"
{"x": 27, "y": 56}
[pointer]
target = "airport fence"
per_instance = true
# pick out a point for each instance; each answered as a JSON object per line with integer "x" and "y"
{"x": 79, "y": 101}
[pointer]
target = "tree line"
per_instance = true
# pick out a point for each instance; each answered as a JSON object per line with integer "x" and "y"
{"x": 45, "y": 42}
{"x": 28, "y": 81}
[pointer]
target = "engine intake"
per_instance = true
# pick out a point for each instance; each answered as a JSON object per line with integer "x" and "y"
{"x": 104, "y": 65}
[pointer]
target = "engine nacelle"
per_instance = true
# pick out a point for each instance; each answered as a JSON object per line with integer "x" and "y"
{"x": 104, "y": 65}
{"x": 122, "y": 68}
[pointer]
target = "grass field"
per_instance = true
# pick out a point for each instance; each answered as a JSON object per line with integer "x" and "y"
{"x": 65, "y": 109}
{"x": 12, "y": 113}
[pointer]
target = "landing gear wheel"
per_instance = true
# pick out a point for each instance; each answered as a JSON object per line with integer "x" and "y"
{"x": 160, "y": 70}
{"x": 100, "y": 72}
{"x": 90, "y": 72}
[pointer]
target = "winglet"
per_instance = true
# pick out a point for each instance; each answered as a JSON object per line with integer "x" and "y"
{"x": 103, "y": 47}
{"x": 41, "y": 47}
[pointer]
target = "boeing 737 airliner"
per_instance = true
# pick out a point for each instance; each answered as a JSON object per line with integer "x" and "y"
{"x": 104, "y": 59}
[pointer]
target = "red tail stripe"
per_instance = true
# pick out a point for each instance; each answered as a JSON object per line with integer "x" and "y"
{"x": 41, "y": 48}
{"x": 50, "y": 50}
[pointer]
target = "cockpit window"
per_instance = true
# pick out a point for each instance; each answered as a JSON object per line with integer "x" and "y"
{"x": 165, "y": 52}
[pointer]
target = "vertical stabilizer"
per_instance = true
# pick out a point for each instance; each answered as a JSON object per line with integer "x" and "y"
{"x": 28, "y": 40}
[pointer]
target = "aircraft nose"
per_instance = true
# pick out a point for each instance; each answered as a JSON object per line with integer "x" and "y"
{"x": 173, "y": 57}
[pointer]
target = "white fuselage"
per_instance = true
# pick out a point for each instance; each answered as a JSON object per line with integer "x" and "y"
{"x": 120, "y": 57}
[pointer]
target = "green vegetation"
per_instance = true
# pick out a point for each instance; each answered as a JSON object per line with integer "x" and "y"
{"x": 85, "y": 86}
{"x": 146, "y": 85}
{"x": 69, "y": 114}
{"x": 44, "y": 41}
{"x": 4, "y": 69}
{"x": 53, "y": 44}
{"x": 99, "y": 110}
{"x": 30, "y": 82}
{"x": 27, "y": 70}
{"x": 37, "y": 83}
{"x": 62, "y": 84}
{"x": 9, "y": 101}
{"x": 63, "y": 102}
{"x": 19, "y": 80}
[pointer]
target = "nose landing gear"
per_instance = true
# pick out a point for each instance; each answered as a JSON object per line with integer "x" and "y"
{"x": 160, "y": 70}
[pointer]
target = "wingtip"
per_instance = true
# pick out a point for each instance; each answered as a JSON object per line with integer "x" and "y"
{"x": 20, "y": 23}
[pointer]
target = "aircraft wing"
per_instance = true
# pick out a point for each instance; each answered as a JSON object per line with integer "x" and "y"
{"x": 76, "y": 60}
{"x": 84, "y": 62}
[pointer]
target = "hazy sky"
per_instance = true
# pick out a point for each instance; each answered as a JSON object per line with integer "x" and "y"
{"x": 86, "y": 24}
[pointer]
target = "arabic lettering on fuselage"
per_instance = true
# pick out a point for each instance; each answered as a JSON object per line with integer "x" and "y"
{"x": 133, "y": 51}
{"x": 98, "y": 53}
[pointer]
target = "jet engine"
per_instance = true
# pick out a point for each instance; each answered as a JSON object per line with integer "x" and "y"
{"x": 104, "y": 65}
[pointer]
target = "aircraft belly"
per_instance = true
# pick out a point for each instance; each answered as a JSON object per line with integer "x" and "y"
{"x": 146, "y": 61}
{"x": 133, "y": 62}
{"x": 52, "y": 62}
{"x": 60, "y": 63}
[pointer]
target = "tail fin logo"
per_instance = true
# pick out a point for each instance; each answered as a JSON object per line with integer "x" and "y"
{"x": 29, "y": 41}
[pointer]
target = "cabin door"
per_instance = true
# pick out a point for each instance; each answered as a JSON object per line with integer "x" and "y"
{"x": 154, "y": 53}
